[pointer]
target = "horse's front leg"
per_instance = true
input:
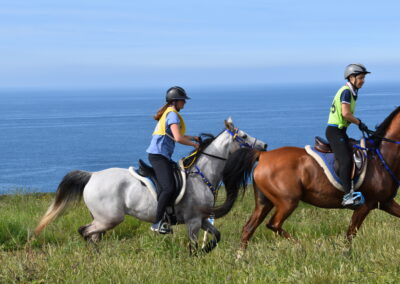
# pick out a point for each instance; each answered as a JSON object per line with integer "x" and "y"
{"x": 216, "y": 236}
{"x": 357, "y": 219}
{"x": 194, "y": 226}
{"x": 391, "y": 207}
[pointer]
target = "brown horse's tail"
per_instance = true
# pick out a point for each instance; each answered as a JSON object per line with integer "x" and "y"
{"x": 70, "y": 190}
{"x": 236, "y": 174}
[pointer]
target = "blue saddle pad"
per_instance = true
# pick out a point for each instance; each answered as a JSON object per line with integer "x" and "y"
{"x": 329, "y": 160}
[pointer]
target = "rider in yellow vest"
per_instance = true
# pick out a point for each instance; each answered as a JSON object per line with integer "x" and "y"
{"x": 340, "y": 117}
{"x": 170, "y": 128}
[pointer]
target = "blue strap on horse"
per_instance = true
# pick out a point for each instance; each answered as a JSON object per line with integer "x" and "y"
{"x": 369, "y": 134}
{"x": 387, "y": 166}
{"x": 240, "y": 140}
{"x": 242, "y": 144}
{"x": 206, "y": 181}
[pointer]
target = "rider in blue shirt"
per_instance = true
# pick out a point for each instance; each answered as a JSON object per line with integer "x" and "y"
{"x": 170, "y": 129}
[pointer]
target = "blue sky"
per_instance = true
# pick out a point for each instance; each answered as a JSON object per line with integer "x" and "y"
{"x": 97, "y": 43}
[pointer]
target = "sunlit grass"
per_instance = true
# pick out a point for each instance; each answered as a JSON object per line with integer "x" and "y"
{"x": 131, "y": 253}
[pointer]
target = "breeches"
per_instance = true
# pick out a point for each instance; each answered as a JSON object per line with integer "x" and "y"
{"x": 164, "y": 173}
{"x": 340, "y": 146}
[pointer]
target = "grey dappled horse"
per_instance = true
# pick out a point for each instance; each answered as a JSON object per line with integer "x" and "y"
{"x": 112, "y": 193}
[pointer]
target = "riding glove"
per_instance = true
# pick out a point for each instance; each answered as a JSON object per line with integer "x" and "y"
{"x": 362, "y": 126}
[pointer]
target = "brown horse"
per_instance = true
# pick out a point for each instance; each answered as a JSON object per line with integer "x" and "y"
{"x": 287, "y": 175}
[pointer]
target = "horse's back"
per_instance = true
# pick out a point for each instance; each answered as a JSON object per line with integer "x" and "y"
{"x": 284, "y": 156}
{"x": 111, "y": 178}
{"x": 285, "y": 165}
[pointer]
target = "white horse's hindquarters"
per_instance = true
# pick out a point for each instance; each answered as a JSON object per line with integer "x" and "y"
{"x": 110, "y": 193}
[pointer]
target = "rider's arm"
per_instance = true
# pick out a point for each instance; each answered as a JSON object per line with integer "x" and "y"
{"x": 176, "y": 132}
{"x": 192, "y": 138}
{"x": 346, "y": 112}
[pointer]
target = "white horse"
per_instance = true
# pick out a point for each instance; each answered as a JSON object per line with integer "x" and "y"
{"x": 112, "y": 193}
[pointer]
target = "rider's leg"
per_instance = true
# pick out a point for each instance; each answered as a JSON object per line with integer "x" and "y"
{"x": 164, "y": 174}
{"x": 340, "y": 146}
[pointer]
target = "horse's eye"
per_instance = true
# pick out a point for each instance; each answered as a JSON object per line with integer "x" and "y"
{"x": 244, "y": 136}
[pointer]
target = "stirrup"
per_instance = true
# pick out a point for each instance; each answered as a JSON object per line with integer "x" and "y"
{"x": 353, "y": 199}
{"x": 164, "y": 228}
{"x": 161, "y": 227}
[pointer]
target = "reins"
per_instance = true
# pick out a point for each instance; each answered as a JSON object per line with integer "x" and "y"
{"x": 371, "y": 136}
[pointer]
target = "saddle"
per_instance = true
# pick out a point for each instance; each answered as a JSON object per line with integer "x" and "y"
{"x": 147, "y": 171}
{"x": 146, "y": 175}
{"x": 323, "y": 155}
{"x": 359, "y": 158}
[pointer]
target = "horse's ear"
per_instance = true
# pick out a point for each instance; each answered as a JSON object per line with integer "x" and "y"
{"x": 229, "y": 124}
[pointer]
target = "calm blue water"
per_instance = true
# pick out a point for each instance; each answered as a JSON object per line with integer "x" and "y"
{"x": 45, "y": 134}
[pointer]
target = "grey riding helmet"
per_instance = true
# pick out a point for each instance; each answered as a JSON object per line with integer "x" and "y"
{"x": 355, "y": 69}
{"x": 176, "y": 93}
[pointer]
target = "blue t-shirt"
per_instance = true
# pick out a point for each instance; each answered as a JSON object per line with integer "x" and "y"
{"x": 163, "y": 144}
{"x": 345, "y": 97}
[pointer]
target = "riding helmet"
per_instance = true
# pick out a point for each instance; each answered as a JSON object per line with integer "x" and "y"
{"x": 355, "y": 69}
{"x": 176, "y": 93}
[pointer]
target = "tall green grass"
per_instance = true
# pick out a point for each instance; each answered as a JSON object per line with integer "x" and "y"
{"x": 131, "y": 253}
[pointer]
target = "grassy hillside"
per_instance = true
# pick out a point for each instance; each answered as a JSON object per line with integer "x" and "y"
{"x": 131, "y": 253}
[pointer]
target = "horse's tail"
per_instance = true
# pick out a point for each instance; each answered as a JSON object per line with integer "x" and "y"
{"x": 69, "y": 190}
{"x": 236, "y": 174}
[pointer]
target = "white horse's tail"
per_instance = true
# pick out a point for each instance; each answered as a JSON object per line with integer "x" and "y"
{"x": 70, "y": 190}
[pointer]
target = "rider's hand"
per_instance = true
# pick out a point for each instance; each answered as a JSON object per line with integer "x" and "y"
{"x": 196, "y": 138}
{"x": 362, "y": 126}
{"x": 196, "y": 146}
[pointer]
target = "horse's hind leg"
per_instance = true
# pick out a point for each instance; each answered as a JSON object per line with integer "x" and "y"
{"x": 94, "y": 231}
{"x": 284, "y": 208}
{"x": 263, "y": 207}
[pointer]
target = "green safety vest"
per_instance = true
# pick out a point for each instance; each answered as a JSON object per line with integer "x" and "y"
{"x": 335, "y": 115}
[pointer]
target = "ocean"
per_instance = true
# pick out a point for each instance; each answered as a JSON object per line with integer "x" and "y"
{"x": 47, "y": 133}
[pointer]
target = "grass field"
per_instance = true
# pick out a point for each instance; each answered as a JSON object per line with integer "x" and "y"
{"x": 131, "y": 253}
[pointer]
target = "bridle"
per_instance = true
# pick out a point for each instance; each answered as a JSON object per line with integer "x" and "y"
{"x": 240, "y": 140}
{"x": 235, "y": 137}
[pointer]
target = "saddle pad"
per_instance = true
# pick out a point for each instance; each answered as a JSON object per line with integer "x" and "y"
{"x": 326, "y": 161}
{"x": 151, "y": 187}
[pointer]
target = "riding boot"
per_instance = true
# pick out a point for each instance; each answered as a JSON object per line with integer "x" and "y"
{"x": 170, "y": 215}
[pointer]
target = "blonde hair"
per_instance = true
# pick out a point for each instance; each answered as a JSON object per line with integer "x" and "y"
{"x": 161, "y": 111}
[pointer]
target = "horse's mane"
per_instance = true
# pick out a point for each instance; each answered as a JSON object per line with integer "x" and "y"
{"x": 203, "y": 144}
{"x": 382, "y": 128}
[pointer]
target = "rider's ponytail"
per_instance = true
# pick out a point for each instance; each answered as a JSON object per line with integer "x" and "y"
{"x": 160, "y": 112}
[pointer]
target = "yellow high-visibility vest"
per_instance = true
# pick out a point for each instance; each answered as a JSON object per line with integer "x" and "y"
{"x": 161, "y": 128}
{"x": 335, "y": 115}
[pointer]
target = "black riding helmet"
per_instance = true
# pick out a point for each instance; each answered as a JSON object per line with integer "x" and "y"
{"x": 176, "y": 93}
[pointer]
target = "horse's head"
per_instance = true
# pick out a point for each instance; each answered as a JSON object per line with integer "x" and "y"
{"x": 241, "y": 139}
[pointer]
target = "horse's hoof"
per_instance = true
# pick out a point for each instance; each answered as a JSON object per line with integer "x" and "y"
{"x": 81, "y": 230}
{"x": 239, "y": 254}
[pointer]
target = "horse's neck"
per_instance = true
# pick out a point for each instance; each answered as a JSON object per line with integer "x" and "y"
{"x": 391, "y": 151}
{"x": 212, "y": 167}
{"x": 393, "y": 131}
